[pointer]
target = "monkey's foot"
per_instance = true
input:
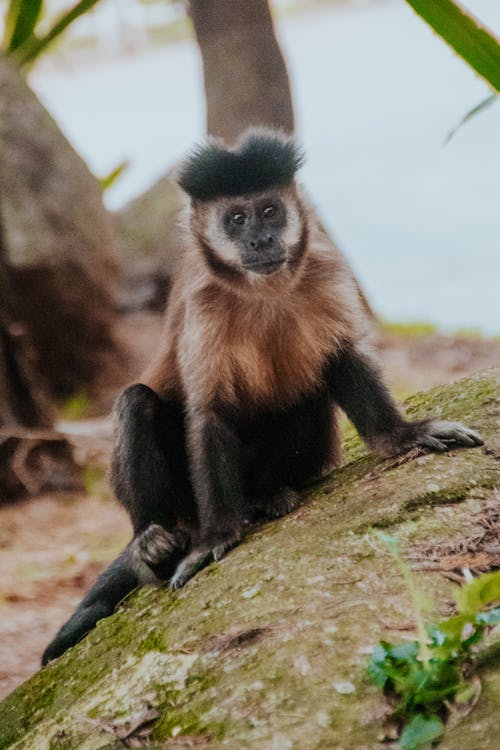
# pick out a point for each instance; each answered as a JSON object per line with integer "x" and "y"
{"x": 160, "y": 549}
{"x": 155, "y": 544}
{"x": 200, "y": 558}
{"x": 284, "y": 502}
{"x": 439, "y": 435}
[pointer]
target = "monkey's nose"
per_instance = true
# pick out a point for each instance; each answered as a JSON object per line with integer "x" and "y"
{"x": 262, "y": 242}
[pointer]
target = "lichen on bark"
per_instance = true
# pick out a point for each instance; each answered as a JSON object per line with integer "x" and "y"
{"x": 268, "y": 649}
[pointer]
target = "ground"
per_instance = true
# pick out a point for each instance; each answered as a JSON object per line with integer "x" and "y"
{"x": 53, "y": 547}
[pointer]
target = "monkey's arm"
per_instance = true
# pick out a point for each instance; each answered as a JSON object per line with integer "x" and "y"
{"x": 357, "y": 386}
{"x": 217, "y": 480}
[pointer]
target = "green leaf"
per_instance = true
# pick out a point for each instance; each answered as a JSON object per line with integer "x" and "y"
{"x": 34, "y": 46}
{"x": 404, "y": 652}
{"x": 470, "y": 114}
{"x": 110, "y": 179}
{"x": 478, "y": 594}
{"x": 491, "y": 617}
{"x": 377, "y": 668}
{"x": 436, "y": 634}
{"x": 420, "y": 732}
{"x": 476, "y": 44}
{"x": 20, "y": 22}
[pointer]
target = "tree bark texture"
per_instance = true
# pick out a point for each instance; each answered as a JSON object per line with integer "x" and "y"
{"x": 33, "y": 457}
{"x": 246, "y": 80}
{"x": 268, "y": 649}
{"x": 60, "y": 241}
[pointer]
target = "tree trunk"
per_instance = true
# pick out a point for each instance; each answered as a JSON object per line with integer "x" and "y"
{"x": 18, "y": 405}
{"x": 268, "y": 650}
{"x": 246, "y": 81}
{"x": 60, "y": 239}
{"x": 32, "y": 457}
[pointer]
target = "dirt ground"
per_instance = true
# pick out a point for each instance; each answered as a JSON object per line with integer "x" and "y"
{"x": 53, "y": 547}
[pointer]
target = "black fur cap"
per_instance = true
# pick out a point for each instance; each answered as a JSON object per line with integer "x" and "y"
{"x": 262, "y": 159}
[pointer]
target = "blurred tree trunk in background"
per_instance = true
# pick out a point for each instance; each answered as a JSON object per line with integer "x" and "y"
{"x": 60, "y": 241}
{"x": 18, "y": 404}
{"x": 246, "y": 83}
{"x": 246, "y": 80}
{"x": 32, "y": 456}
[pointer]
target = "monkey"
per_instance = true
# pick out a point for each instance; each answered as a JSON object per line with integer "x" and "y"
{"x": 265, "y": 340}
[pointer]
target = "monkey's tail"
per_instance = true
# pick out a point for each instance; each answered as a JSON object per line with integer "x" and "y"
{"x": 124, "y": 574}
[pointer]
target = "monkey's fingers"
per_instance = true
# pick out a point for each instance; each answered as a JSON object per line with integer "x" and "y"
{"x": 200, "y": 558}
{"x": 220, "y": 550}
{"x": 441, "y": 435}
{"x": 187, "y": 568}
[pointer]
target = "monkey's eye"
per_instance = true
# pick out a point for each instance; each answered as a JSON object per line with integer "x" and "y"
{"x": 269, "y": 212}
{"x": 238, "y": 217}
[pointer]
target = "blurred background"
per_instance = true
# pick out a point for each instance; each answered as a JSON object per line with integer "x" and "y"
{"x": 98, "y": 101}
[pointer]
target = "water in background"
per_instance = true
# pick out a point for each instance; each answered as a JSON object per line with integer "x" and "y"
{"x": 376, "y": 94}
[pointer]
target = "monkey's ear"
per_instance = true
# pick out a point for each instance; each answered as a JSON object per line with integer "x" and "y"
{"x": 263, "y": 158}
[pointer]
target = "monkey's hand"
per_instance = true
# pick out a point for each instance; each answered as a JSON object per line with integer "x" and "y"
{"x": 439, "y": 435}
{"x": 160, "y": 549}
{"x": 200, "y": 557}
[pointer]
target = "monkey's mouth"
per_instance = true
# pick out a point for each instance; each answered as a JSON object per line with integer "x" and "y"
{"x": 264, "y": 267}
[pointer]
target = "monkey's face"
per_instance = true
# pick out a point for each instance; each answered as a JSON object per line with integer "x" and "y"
{"x": 257, "y": 234}
{"x": 256, "y": 228}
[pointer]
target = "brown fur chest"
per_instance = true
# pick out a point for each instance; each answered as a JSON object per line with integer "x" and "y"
{"x": 249, "y": 354}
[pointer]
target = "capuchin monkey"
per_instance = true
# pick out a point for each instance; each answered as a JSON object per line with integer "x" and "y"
{"x": 264, "y": 339}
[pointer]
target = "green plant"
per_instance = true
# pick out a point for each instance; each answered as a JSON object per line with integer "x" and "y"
{"x": 75, "y": 407}
{"x": 476, "y": 44}
{"x": 425, "y": 676}
{"x": 473, "y": 42}
{"x": 20, "y": 21}
{"x": 20, "y": 38}
{"x": 108, "y": 180}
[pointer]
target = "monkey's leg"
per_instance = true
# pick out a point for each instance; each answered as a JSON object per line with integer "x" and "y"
{"x": 149, "y": 468}
{"x": 216, "y": 464}
{"x": 356, "y": 385}
{"x": 150, "y": 477}
{"x": 288, "y": 452}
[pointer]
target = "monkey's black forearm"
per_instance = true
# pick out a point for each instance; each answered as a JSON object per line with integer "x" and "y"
{"x": 217, "y": 477}
{"x": 357, "y": 387}
{"x": 355, "y": 383}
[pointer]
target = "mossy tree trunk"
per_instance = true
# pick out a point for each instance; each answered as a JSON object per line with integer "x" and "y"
{"x": 268, "y": 649}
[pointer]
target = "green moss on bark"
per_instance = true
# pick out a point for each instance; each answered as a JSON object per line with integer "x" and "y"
{"x": 268, "y": 648}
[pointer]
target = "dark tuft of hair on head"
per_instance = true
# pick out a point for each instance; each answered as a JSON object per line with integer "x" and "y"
{"x": 262, "y": 159}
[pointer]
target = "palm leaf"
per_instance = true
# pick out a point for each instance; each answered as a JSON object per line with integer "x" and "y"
{"x": 484, "y": 104}
{"x": 108, "y": 180}
{"x": 34, "y": 46}
{"x": 20, "y": 22}
{"x": 475, "y": 43}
